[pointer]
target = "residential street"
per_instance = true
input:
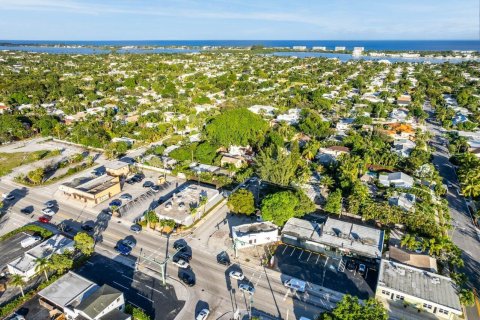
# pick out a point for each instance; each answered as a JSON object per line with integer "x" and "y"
{"x": 465, "y": 234}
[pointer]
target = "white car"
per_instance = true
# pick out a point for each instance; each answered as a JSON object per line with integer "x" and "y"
{"x": 236, "y": 275}
{"x": 246, "y": 288}
{"x": 181, "y": 263}
{"x": 202, "y": 315}
{"x": 48, "y": 212}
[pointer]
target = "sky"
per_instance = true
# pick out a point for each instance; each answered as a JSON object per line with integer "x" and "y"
{"x": 239, "y": 19}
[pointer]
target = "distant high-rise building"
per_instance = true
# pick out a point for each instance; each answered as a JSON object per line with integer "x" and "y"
{"x": 299, "y": 47}
{"x": 340, "y": 48}
{"x": 357, "y": 51}
{"x": 319, "y": 48}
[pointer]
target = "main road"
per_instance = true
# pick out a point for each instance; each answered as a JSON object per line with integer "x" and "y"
{"x": 213, "y": 285}
{"x": 464, "y": 233}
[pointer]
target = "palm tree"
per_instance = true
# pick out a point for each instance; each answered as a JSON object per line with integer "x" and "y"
{"x": 18, "y": 281}
{"x": 327, "y": 182}
{"x": 471, "y": 182}
{"x": 43, "y": 265}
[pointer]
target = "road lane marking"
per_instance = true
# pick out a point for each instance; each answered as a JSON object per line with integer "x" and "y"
{"x": 121, "y": 285}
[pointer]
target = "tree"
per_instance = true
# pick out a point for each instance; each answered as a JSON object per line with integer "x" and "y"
{"x": 18, "y": 281}
{"x": 467, "y": 298}
{"x": 236, "y": 127}
{"x": 276, "y": 165}
{"x": 151, "y": 218}
{"x": 241, "y": 201}
{"x": 43, "y": 265}
{"x": 281, "y": 206}
{"x": 327, "y": 181}
{"x": 36, "y": 176}
{"x": 409, "y": 241}
{"x": 84, "y": 242}
{"x": 139, "y": 314}
{"x": 334, "y": 202}
{"x": 349, "y": 308}
{"x": 61, "y": 263}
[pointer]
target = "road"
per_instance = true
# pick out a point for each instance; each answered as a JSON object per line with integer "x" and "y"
{"x": 464, "y": 234}
{"x": 213, "y": 285}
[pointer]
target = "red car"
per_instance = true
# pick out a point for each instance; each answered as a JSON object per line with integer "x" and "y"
{"x": 44, "y": 219}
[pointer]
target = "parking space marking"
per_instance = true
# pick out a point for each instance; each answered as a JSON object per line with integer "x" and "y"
{"x": 129, "y": 278}
{"x": 301, "y": 253}
{"x": 141, "y": 295}
{"x": 121, "y": 285}
{"x": 309, "y": 255}
{"x": 284, "y": 250}
{"x": 153, "y": 289}
{"x": 318, "y": 257}
{"x": 90, "y": 263}
{"x": 291, "y": 254}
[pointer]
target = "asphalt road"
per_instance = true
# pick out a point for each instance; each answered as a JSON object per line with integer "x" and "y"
{"x": 464, "y": 234}
{"x": 213, "y": 287}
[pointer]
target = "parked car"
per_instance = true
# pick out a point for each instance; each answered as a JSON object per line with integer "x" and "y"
{"x": 181, "y": 263}
{"x": 123, "y": 249}
{"x": 202, "y": 315}
{"x": 50, "y": 204}
{"x": 129, "y": 243}
{"x": 351, "y": 265}
{"x": 295, "y": 284}
{"x": 126, "y": 196}
{"x": 362, "y": 268}
{"x": 148, "y": 184}
{"x": 115, "y": 203}
{"x": 184, "y": 255}
{"x": 9, "y": 197}
{"x": 64, "y": 227}
{"x": 155, "y": 188}
{"x": 223, "y": 258}
{"x": 179, "y": 246}
{"x": 238, "y": 275}
{"x": 246, "y": 288}
{"x": 136, "y": 228}
{"x": 87, "y": 228}
{"x": 27, "y": 242}
{"x": 131, "y": 181}
{"x": 48, "y": 212}
{"x": 27, "y": 210}
{"x": 44, "y": 219}
{"x": 187, "y": 278}
{"x": 17, "y": 317}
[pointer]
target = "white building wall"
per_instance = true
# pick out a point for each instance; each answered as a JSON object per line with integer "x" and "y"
{"x": 253, "y": 239}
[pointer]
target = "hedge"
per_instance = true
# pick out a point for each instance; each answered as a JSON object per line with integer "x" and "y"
{"x": 44, "y": 233}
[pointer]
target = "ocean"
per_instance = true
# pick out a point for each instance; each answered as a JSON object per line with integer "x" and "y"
{"x": 382, "y": 45}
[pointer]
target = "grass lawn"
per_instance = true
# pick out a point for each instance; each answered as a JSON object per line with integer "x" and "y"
{"x": 15, "y": 159}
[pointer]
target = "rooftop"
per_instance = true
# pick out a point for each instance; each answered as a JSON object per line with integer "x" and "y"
{"x": 363, "y": 240}
{"x": 419, "y": 283}
{"x": 115, "y": 165}
{"x": 99, "y": 300}
{"x": 67, "y": 288}
{"x": 421, "y": 261}
{"x": 93, "y": 186}
{"x": 250, "y": 228}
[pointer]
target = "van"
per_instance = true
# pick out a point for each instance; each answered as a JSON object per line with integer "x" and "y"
{"x": 27, "y": 242}
{"x": 295, "y": 284}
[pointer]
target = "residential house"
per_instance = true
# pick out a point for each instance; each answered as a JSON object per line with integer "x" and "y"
{"x": 397, "y": 179}
{"x": 404, "y": 100}
{"x": 292, "y": 117}
{"x": 406, "y": 201}
{"x": 263, "y": 110}
{"x": 236, "y": 161}
{"x": 459, "y": 118}
{"x": 330, "y": 154}
{"x": 344, "y": 124}
{"x": 252, "y": 234}
{"x": 4, "y": 108}
{"x": 403, "y": 147}
{"x": 399, "y": 115}
{"x": 81, "y": 299}
{"x": 404, "y": 287}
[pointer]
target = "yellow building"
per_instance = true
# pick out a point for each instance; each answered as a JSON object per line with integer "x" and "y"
{"x": 94, "y": 191}
{"x": 117, "y": 168}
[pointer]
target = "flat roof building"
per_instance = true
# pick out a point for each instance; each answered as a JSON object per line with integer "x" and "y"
{"x": 408, "y": 286}
{"x": 92, "y": 191}
{"x": 336, "y": 236}
{"x": 25, "y": 265}
{"x": 117, "y": 168}
{"x": 252, "y": 234}
{"x": 184, "y": 206}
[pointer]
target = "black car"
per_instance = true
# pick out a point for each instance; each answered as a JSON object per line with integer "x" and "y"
{"x": 136, "y": 228}
{"x": 223, "y": 258}
{"x": 180, "y": 246}
{"x": 148, "y": 184}
{"x": 87, "y": 228}
{"x": 187, "y": 278}
{"x": 351, "y": 266}
{"x": 27, "y": 210}
{"x": 131, "y": 181}
{"x": 183, "y": 255}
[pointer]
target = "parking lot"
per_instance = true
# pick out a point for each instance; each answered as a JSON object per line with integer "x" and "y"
{"x": 11, "y": 248}
{"x": 139, "y": 289}
{"x": 328, "y": 272}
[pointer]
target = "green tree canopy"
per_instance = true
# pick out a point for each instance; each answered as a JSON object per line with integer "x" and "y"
{"x": 236, "y": 127}
{"x": 281, "y": 206}
{"x": 84, "y": 242}
{"x": 241, "y": 201}
{"x": 334, "y": 202}
{"x": 349, "y": 308}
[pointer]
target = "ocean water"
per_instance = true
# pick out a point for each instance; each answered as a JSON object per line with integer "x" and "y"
{"x": 390, "y": 45}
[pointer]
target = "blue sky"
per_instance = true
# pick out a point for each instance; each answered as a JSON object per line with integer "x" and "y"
{"x": 238, "y": 19}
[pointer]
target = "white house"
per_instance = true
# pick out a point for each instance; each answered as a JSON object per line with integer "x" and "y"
{"x": 291, "y": 117}
{"x": 79, "y": 298}
{"x": 406, "y": 201}
{"x": 397, "y": 179}
{"x": 252, "y": 234}
{"x": 399, "y": 115}
{"x": 403, "y": 147}
{"x": 344, "y": 124}
{"x": 413, "y": 289}
{"x": 262, "y": 110}
{"x": 25, "y": 265}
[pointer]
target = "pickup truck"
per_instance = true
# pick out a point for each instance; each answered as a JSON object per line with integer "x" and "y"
{"x": 27, "y": 242}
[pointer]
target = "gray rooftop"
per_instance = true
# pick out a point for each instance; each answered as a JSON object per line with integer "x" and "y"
{"x": 363, "y": 240}
{"x": 91, "y": 186}
{"x": 99, "y": 300}
{"x": 66, "y": 289}
{"x": 419, "y": 283}
{"x": 115, "y": 165}
{"x": 254, "y": 228}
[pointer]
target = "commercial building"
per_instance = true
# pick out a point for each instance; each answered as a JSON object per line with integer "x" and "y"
{"x": 82, "y": 299}
{"x": 340, "y": 48}
{"x": 409, "y": 287}
{"x": 252, "y": 234}
{"x": 334, "y": 237}
{"x": 417, "y": 260}
{"x": 93, "y": 191}
{"x": 185, "y": 205}
{"x": 117, "y": 168}
{"x": 26, "y": 264}
{"x": 299, "y": 48}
